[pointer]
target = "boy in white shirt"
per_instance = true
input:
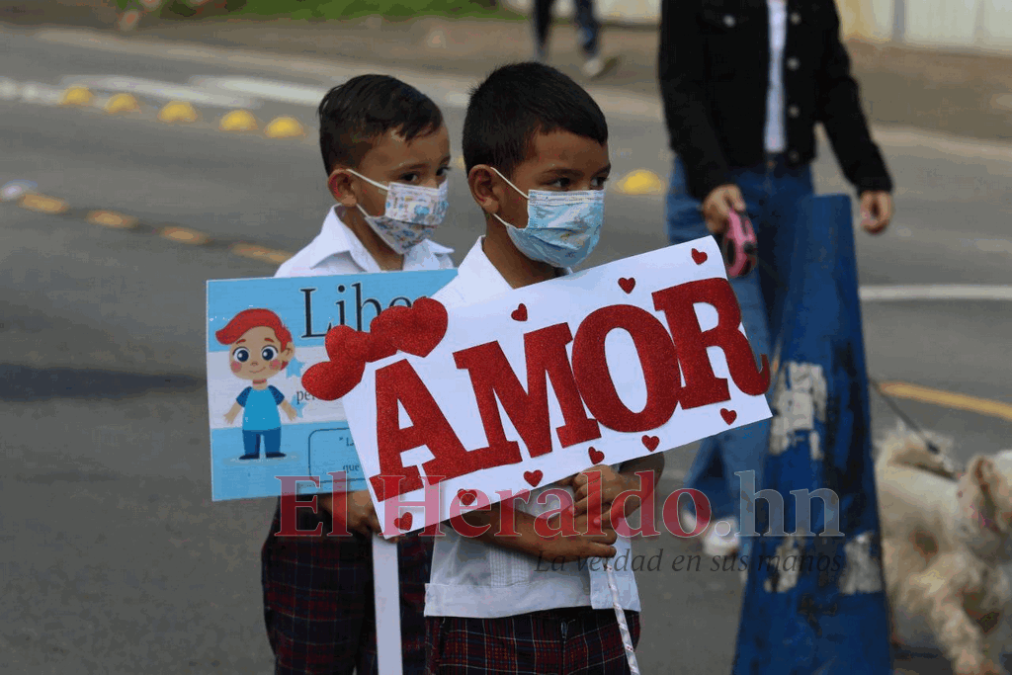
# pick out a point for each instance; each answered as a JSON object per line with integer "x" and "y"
{"x": 386, "y": 152}
{"x": 535, "y": 145}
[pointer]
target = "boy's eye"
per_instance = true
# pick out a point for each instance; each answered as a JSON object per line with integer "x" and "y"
{"x": 561, "y": 183}
{"x": 269, "y": 353}
{"x": 600, "y": 181}
{"x": 409, "y": 178}
{"x": 241, "y": 355}
{"x": 443, "y": 171}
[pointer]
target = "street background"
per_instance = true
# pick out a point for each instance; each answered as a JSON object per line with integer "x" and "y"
{"x": 114, "y": 558}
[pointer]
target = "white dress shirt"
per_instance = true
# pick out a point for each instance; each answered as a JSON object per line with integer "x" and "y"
{"x": 775, "y": 140}
{"x": 472, "y": 579}
{"x": 337, "y": 250}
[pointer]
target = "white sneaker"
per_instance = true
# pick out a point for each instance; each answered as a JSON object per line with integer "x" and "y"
{"x": 593, "y": 66}
{"x": 715, "y": 544}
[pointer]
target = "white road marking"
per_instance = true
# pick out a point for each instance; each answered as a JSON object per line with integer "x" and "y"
{"x": 964, "y": 292}
{"x": 168, "y": 91}
{"x": 273, "y": 90}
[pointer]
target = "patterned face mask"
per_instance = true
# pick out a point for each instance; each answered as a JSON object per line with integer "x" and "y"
{"x": 412, "y": 213}
{"x": 562, "y": 227}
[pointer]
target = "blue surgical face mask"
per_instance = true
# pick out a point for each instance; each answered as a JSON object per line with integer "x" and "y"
{"x": 562, "y": 227}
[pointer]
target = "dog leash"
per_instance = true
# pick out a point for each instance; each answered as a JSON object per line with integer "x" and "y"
{"x": 749, "y": 248}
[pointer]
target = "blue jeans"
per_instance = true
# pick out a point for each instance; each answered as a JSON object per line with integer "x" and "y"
{"x": 771, "y": 191}
{"x": 586, "y": 25}
{"x": 271, "y": 440}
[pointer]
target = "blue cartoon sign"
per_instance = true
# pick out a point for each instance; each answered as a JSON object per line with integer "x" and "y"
{"x": 262, "y": 335}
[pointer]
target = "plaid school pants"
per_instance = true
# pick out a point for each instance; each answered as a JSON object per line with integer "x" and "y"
{"x": 566, "y": 641}
{"x": 318, "y": 600}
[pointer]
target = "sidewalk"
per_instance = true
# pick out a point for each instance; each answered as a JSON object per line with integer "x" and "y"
{"x": 965, "y": 95}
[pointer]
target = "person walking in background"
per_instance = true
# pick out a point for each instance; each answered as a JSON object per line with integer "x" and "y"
{"x": 587, "y": 26}
{"x": 743, "y": 85}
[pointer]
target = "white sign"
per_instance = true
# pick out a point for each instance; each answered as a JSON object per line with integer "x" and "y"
{"x": 603, "y": 366}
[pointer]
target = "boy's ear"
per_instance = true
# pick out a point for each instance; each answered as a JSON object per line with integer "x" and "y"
{"x": 339, "y": 183}
{"x": 485, "y": 190}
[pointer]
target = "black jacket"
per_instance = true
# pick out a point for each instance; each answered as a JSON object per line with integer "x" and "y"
{"x": 714, "y": 74}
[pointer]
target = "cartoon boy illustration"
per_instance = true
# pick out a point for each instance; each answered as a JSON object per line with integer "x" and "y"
{"x": 259, "y": 347}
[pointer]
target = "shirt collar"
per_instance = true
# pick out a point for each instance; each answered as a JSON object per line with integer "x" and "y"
{"x": 336, "y": 238}
{"x": 479, "y": 267}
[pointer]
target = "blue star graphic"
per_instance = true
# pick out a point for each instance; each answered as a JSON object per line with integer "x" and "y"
{"x": 298, "y": 405}
{"x": 294, "y": 368}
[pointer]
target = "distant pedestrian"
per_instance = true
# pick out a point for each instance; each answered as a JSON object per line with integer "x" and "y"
{"x": 743, "y": 86}
{"x": 587, "y": 25}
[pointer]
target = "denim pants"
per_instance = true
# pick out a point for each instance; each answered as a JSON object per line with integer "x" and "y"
{"x": 771, "y": 190}
{"x": 586, "y": 24}
{"x": 271, "y": 441}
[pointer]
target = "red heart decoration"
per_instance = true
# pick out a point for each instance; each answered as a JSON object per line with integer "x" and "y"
{"x": 596, "y": 456}
{"x": 404, "y": 522}
{"x": 330, "y": 380}
{"x": 729, "y": 415}
{"x": 520, "y": 313}
{"x": 699, "y": 256}
{"x": 466, "y": 497}
{"x": 358, "y": 346}
{"x": 416, "y": 330}
{"x": 627, "y": 284}
{"x": 533, "y": 477}
{"x": 651, "y": 442}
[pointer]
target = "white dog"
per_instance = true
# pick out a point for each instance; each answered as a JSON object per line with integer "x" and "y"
{"x": 944, "y": 536}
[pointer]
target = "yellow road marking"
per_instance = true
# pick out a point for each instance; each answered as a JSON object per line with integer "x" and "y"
{"x": 261, "y": 253}
{"x": 948, "y": 399}
{"x": 641, "y": 182}
{"x": 43, "y": 204}
{"x": 122, "y": 103}
{"x": 238, "y": 120}
{"x": 111, "y": 219}
{"x": 76, "y": 96}
{"x": 284, "y": 127}
{"x": 184, "y": 236}
{"x": 181, "y": 112}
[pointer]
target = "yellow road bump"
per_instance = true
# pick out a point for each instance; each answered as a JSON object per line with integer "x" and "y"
{"x": 43, "y": 204}
{"x": 76, "y": 96}
{"x": 111, "y": 219}
{"x": 238, "y": 120}
{"x": 947, "y": 399}
{"x": 641, "y": 182}
{"x": 284, "y": 127}
{"x": 185, "y": 236}
{"x": 122, "y": 103}
{"x": 177, "y": 112}
{"x": 261, "y": 253}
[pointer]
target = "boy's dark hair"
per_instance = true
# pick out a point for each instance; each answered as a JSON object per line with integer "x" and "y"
{"x": 518, "y": 101}
{"x": 353, "y": 114}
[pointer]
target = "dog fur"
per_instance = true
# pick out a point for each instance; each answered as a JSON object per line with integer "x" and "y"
{"x": 945, "y": 535}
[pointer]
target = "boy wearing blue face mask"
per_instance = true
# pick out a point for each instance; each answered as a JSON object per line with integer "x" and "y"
{"x": 536, "y": 148}
{"x": 386, "y": 152}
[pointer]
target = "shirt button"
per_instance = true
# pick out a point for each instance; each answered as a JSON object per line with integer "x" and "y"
{"x": 729, "y": 21}
{"x": 793, "y": 111}
{"x": 793, "y": 63}
{"x": 793, "y": 156}
{"x": 795, "y": 18}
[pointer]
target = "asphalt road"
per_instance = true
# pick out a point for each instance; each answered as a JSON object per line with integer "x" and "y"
{"x": 114, "y": 558}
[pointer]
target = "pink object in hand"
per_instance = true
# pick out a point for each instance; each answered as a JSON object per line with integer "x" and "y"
{"x": 739, "y": 245}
